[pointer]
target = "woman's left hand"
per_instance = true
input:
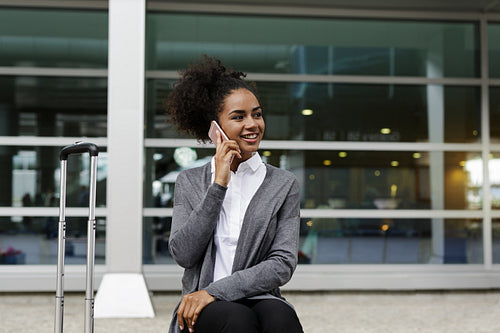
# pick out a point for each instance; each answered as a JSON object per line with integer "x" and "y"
{"x": 190, "y": 308}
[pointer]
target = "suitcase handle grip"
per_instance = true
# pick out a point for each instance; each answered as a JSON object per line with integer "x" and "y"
{"x": 78, "y": 148}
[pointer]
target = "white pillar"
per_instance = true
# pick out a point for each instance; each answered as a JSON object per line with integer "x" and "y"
{"x": 123, "y": 291}
{"x": 435, "y": 121}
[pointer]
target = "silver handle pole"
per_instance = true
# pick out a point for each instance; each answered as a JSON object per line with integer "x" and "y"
{"x": 61, "y": 239}
{"x": 91, "y": 226}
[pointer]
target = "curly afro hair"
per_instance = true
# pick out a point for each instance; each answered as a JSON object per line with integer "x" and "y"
{"x": 199, "y": 95}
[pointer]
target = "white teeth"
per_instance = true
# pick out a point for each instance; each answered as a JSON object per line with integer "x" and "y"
{"x": 250, "y": 136}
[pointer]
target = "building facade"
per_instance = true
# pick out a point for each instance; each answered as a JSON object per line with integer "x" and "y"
{"x": 387, "y": 116}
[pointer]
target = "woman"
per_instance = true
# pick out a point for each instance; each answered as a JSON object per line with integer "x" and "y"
{"x": 235, "y": 223}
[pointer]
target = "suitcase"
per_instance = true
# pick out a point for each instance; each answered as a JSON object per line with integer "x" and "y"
{"x": 77, "y": 148}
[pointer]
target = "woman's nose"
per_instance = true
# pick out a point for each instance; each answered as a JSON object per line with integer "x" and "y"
{"x": 250, "y": 122}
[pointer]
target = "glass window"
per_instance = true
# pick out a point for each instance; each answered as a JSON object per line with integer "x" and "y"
{"x": 345, "y": 179}
{"x": 32, "y": 240}
{"x": 390, "y": 241}
{"x": 494, "y": 166}
{"x": 314, "y": 45}
{"x": 350, "y": 112}
{"x": 53, "y": 106}
{"x": 495, "y": 114}
{"x": 157, "y": 124}
{"x": 163, "y": 165}
{"x": 33, "y": 173}
{"x": 494, "y": 50}
{"x": 496, "y": 240}
{"x": 155, "y": 246}
{"x": 53, "y": 38}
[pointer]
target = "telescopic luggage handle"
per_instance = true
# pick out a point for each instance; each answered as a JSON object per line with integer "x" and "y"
{"x": 77, "y": 148}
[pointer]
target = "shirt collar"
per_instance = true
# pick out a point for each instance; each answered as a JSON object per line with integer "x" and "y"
{"x": 253, "y": 163}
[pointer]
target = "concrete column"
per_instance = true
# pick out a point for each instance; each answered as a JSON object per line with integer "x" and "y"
{"x": 123, "y": 291}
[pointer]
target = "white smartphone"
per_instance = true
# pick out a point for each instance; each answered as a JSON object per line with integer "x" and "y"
{"x": 214, "y": 127}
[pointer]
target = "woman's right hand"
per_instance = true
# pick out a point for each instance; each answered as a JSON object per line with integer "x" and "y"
{"x": 224, "y": 153}
{"x": 190, "y": 308}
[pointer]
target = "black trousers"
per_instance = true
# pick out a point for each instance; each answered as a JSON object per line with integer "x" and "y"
{"x": 248, "y": 316}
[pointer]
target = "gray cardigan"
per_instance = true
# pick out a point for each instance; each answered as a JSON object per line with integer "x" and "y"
{"x": 266, "y": 254}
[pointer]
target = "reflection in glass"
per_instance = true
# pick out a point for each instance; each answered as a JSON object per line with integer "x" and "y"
{"x": 53, "y": 38}
{"x": 384, "y": 180}
{"x": 495, "y": 114}
{"x": 350, "y": 112}
{"x": 282, "y": 45}
{"x": 157, "y": 123}
{"x": 494, "y": 50}
{"x": 163, "y": 165}
{"x": 494, "y": 166}
{"x": 155, "y": 247}
{"x": 473, "y": 167}
{"x": 346, "y": 179}
{"x": 496, "y": 240}
{"x": 34, "y": 174}
{"x": 32, "y": 240}
{"x": 389, "y": 241}
{"x": 49, "y": 106}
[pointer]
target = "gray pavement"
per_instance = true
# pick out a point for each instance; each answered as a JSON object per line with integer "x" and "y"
{"x": 448, "y": 311}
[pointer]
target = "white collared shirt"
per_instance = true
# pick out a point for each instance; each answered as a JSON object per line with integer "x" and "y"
{"x": 240, "y": 190}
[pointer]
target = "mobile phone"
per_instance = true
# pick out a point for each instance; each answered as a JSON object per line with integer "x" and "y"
{"x": 214, "y": 127}
{"x": 212, "y": 134}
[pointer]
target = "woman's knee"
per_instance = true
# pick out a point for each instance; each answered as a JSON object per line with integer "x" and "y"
{"x": 223, "y": 316}
{"x": 276, "y": 316}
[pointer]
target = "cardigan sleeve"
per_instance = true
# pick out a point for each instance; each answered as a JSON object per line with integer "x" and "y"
{"x": 193, "y": 221}
{"x": 279, "y": 264}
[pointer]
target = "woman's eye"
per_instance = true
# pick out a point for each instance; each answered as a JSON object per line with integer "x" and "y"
{"x": 258, "y": 114}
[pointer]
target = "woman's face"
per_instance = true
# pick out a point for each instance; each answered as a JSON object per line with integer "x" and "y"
{"x": 241, "y": 119}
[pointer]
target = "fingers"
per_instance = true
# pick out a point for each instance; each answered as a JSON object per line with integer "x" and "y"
{"x": 192, "y": 316}
{"x": 227, "y": 147}
{"x": 180, "y": 314}
{"x": 226, "y": 151}
{"x": 185, "y": 314}
{"x": 191, "y": 307}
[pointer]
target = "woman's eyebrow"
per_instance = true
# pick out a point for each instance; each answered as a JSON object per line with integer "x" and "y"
{"x": 243, "y": 111}
{"x": 237, "y": 111}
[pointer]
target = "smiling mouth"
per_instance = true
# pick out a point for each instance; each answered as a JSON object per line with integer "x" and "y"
{"x": 250, "y": 136}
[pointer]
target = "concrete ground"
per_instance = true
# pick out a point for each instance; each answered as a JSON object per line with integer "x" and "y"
{"x": 449, "y": 311}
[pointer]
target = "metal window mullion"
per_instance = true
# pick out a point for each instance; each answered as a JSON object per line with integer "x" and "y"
{"x": 485, "y": 137}
{"x": 326, "y": 12}
{"x": 49, "y": 211}
{"x": 373, "y": 146}
{"x": 79, "y": 4}
{"x": 48, "y": 141}
{"x": 346, "y": 79}
{"x": 361, "y": 79}
{"x": 53, "y": 71}
{"x": 359, "y": 213}
{"x": 326, "y": 145}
